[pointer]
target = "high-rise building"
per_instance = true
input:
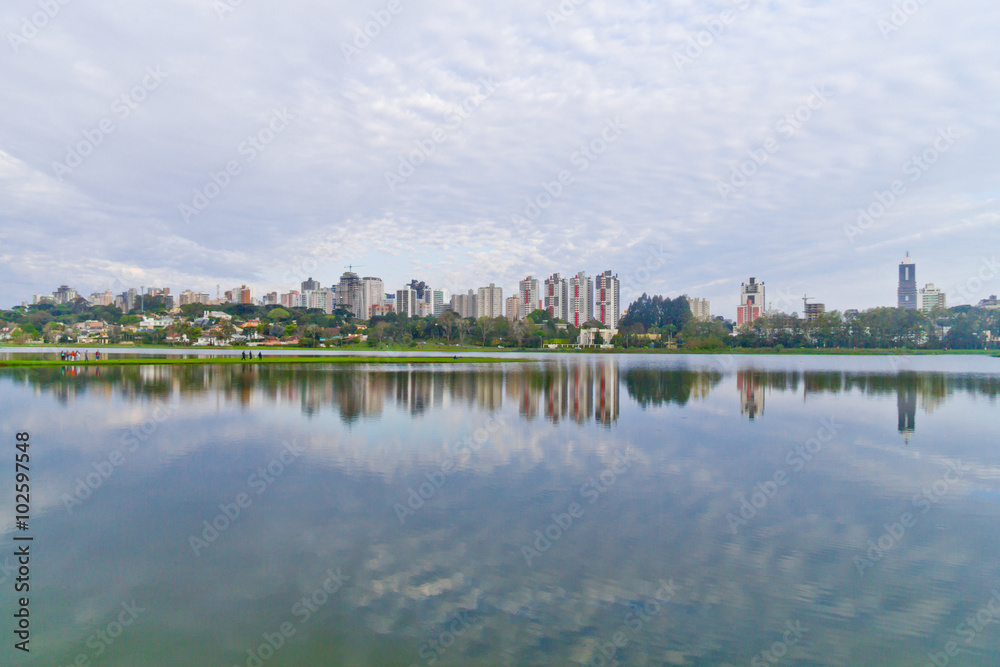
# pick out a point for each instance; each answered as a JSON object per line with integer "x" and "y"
{"x": 464, "y": 305}
{"x": 906, "y": 293}
{"x": 931, "y": 297}
{"x": 608, "y": 307}
{"x": 310, "y": 285}
{"x": 701, "y": 309}
{"x": 814, "y": 310}
{"x": 105, "y": 298}
{"x": 289, "y": 299}
{"x": 270, "y": 299}
{"x": 435, "y": 299}
{"x": 349, "y": 293}
{"x": 512, "y": 308}
{"x": 406, "y": 301}
{"x": 581, "y": 300}
{"x": 489, "y": 301}
{"x": 529, "y": 297}
{"x": 64, "y": 294}
{"x": 752, "y": 302}
{"x": 372, "y": 294}
{"x": 556, "y": 299}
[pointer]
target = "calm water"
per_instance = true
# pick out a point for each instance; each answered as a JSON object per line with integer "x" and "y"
{"x": 642, "y": 510}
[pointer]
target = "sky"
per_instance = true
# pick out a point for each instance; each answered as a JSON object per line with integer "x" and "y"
{"x": 685, "y": 146}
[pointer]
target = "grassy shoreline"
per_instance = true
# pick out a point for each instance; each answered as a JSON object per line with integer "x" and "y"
{"x": 232, "y": 361}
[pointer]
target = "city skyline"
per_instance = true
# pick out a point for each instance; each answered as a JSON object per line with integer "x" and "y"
{"x": 128, "y": 162}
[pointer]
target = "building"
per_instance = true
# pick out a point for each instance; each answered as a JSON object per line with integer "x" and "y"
{"x": 188, "y": 297}
{"x": 64, "y": 295}
{"x": 701, "y": 309}
{"x": 323, "y": 299}
{"x": 556, "y": 297}
{"x": 310, "y": 285}
{"x": 435, "y": 299}
{"x": 608, "y": 308}
{"x": 424, "y": 309}
{"x": 406, "y": 301}
{"x": 489, "y": 302}
{"x": 990, "y": 303}
{"x": 906, "y": 293}
{"x": 289, "y": 299}
{"x": 930, "y": 297}
{"x": 372, "y": 296}
{"x": 348, "y": 293}
{"x": 752, "y": 302}
{"x": 464, "y": 305}
{"x": 380, "y": 310}
{"x": 529, "y": 297}
{"x": 105, "y": 298}
{"x": 814, "y": 310}
{"x": 512, "y": 308}
{"x": 580, "y": 308}
{"x": 270, "y": 299}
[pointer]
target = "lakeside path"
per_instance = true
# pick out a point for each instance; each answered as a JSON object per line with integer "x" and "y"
{"x": 354, "y": 359}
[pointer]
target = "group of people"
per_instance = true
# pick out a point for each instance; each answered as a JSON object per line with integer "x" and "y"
{"x": 244, "y": 356}
{"x": 76, "y": 356}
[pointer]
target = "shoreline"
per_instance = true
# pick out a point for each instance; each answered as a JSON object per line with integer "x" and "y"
{"x": 232, "y": 361}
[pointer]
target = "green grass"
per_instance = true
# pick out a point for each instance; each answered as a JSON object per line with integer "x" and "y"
{"x": 161, "y": 361}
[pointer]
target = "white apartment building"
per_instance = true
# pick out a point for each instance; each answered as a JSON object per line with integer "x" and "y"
{"x": 406, "y": 301}
{"x": 607, "y": 291}
{"x": 489, "y": 301}
{"x": 701, "y": 309}
{"x": 529, "y": 297}
{"x": 580, "y": 308}
{"x": 556, "y": 299}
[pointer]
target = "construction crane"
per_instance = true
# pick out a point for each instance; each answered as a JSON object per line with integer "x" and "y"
{"x": 350, "y": 267}
{"x": 805, "y": 302}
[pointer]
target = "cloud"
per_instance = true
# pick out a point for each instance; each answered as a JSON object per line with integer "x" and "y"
{"x": 419, "y": 78}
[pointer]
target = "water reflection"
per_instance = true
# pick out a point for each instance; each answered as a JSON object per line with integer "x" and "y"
{"x": 578, "y": 391}
{"x": 372, "y": 441}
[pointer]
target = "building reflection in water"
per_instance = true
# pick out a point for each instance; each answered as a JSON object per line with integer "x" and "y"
{"x": 575, "y": 389}
{"x": 748, "y": 384}
{"x": 906, "y": 403}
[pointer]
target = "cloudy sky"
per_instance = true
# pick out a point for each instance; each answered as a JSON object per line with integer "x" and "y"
{"x": 684, "y": 145}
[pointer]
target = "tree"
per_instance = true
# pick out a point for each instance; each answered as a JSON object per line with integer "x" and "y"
{"x": 485, "y": 326}
{"x": 448, "y": 323}
{"x": 276, "y": 314}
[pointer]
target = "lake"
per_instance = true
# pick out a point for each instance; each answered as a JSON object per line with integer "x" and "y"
{"x": 578, "y": 509}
